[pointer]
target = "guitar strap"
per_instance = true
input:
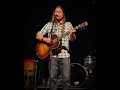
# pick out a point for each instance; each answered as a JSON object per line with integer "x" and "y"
{"x": 63, "y": 27}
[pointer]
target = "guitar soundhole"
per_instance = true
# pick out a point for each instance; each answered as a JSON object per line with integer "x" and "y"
{"x": 56, "y": 44}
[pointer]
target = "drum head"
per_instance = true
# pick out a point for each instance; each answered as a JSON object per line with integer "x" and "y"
{"x": 78, "y": 75}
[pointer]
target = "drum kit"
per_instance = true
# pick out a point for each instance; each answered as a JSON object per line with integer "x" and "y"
{"x": 79, "y": 73}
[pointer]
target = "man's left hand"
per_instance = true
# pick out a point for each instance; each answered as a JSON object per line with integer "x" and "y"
{"x": 72, "y": 31}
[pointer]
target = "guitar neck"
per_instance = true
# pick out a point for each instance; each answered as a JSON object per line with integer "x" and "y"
{"x": 67, "y": 33}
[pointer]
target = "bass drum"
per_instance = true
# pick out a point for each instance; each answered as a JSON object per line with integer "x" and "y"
{"x": 78, "y": 75}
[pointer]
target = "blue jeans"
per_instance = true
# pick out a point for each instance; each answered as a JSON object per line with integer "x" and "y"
{"x": 64, "y": 66}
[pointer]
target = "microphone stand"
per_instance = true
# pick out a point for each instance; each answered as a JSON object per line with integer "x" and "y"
{"x": 53, "y": 24}
{"x": 51, "y": 33}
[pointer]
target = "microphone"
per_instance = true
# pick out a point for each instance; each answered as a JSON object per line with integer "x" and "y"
{"x": 55, "y": 15}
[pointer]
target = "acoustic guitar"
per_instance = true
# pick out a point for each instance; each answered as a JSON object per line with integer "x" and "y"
{"x": 43, "y": 49}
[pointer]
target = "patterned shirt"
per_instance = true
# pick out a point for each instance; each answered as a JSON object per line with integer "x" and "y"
{"x": 57, "y": 30}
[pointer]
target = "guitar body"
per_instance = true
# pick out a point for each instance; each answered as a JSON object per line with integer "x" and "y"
{"x": 43, "y": 49}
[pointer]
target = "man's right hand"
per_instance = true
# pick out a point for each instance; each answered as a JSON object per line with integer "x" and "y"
{"x": 47, "y": 40}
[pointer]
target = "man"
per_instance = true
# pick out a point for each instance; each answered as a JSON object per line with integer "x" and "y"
{"x": 60, "y": 55}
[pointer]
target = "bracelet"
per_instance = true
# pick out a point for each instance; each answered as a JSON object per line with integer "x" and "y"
{"x": 42, "y": 39}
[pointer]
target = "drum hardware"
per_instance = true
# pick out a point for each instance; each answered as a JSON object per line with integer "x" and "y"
{"x": 35, "y": 61}
{"x": 89, "y": 62}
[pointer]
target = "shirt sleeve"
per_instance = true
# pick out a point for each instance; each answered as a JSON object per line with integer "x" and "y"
{"x": 71, "y": 27}
{"x": 44, "y": 30}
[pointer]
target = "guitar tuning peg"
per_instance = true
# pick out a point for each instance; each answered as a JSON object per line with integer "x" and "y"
{"x": 86, "y": 23}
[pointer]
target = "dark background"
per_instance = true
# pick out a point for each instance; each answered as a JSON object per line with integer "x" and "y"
{"x": 36, "y": 15}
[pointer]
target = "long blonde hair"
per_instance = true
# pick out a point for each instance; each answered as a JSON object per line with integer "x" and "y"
{"x": 64, "y": 19}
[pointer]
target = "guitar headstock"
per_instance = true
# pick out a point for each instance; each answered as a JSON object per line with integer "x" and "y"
{"x": 82, "y": 25}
